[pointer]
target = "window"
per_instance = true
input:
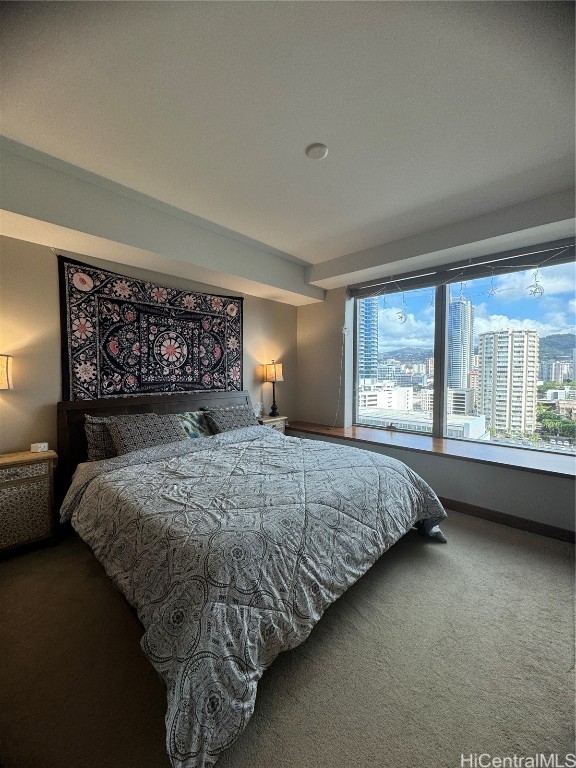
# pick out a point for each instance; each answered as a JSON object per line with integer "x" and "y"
{"x": 484, "y": 350}
{"x": 395, "y": 361}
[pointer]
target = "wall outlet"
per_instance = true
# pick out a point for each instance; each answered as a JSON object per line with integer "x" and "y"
{"x": 38, "y": 447}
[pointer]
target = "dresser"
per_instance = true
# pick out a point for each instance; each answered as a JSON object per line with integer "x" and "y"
{"x": 26, "y": 498}
{"x": 275, "y": 422}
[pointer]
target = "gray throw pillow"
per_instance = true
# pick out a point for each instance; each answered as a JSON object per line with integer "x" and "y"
{"x": 98, "y": 438}
{"x": 233, "y": 417}
{"x": 144, "y": 430}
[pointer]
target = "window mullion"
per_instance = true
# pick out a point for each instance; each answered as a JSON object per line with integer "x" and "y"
{"x": 440, "y": 361}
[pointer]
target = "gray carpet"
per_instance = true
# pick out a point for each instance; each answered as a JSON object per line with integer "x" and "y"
{"x": 439, "y": 650}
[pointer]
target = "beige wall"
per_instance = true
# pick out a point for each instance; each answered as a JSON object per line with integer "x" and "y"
{"x": 30, "y": 331}
{"x": 320, "y": 342}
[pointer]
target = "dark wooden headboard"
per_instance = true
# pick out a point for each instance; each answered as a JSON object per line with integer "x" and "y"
{"x": 71, "y": 415}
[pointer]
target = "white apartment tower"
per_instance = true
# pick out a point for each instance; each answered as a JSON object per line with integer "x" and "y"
{"x": 460, "y": 348}
{"x": 507, "y": 380}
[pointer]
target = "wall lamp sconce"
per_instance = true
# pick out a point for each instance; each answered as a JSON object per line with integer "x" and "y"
{"x": 6, "y": 372}
{"x": 274, "y": 374}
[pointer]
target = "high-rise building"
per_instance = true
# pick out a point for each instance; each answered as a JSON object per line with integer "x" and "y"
{"x": 473, "y": 383}
{"x": 507, "y": 380}
{"x": 368, "y": 339}
{"x": 555, "y": 370}
{"x": 460, "y": 349}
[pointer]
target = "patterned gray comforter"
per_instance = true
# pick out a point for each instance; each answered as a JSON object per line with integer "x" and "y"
{"x": 230, "y": 548}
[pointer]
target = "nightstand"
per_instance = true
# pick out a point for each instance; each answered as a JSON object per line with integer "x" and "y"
{"x": 276, "y": 422}
{"x": 26, "y": 498}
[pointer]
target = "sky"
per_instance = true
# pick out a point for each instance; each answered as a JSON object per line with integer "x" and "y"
{"x": 504, "y": 301}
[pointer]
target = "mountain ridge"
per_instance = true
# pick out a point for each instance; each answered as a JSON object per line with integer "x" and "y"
{"x": 556, "y": 346}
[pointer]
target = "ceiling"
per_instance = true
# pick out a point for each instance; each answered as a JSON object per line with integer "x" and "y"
{"x": 433, "y": 112}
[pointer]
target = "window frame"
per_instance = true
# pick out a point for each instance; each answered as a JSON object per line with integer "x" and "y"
{"x": 439, "y": 278}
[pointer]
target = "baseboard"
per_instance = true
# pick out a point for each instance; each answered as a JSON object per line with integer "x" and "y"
{"x": 511, "y": 520}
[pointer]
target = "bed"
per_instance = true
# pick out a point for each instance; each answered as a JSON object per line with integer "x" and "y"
{"x": 229, "y": 548}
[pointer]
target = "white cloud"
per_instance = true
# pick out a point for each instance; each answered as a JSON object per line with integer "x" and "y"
{"x": 415, "y": 332}
{"x": 551, "y": 324}
{"x": 554, "y": 317}
{"x": 555, "y": 281}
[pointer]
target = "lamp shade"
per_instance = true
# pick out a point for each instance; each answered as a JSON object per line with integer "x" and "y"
{"x": 274, "y": 372}
{"x": 5, "y": 371}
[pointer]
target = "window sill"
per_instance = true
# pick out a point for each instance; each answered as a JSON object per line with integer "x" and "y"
{"x": 527, "y": 460}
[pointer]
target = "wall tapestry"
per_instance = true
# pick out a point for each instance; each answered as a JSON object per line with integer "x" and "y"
{"x": 122, "y": 336}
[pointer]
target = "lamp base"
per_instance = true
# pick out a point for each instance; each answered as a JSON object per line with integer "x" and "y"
{"x": 274, "y": 411}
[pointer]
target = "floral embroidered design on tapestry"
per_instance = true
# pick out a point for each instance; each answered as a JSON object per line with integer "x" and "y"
{"x": 123, "y": 336}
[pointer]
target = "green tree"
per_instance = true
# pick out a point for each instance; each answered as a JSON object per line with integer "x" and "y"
{"x": 546, "y": 385}
{"x": 568, "y": 429}
{"x": 551, "y": 423}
